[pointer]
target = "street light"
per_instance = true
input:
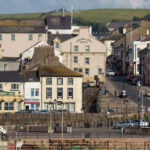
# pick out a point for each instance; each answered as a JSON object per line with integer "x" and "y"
{"x": 50, "y": 126}
{"x": 139, "y": 104}
{"x": 62, "y": 106}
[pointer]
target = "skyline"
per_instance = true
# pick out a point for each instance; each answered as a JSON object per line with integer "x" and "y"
{"x": 29, "y": 6}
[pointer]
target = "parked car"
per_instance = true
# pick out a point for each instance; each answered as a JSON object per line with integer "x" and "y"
{"x": 25, "y": 111}
{"x": 147, "y": 93}
{"x": 117, "y": 73}
{"x": 125, "y": 124}
{"x": 130, "y": 77}
{"x": 84, "y": 85}
{"x": 3, "y": 130}
{"x": 110, "y": 73}
{"x": 123, "y": 94}
{"x": 43, "y": 111}
{"x": 135, "y": 81}
{"x": 142, "y": 123}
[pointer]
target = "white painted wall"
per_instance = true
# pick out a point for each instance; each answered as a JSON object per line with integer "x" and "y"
{"x": 133, "y": 55}
{"x": 27, "y": 93}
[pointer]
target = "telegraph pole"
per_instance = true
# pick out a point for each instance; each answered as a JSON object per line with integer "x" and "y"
{"x": 139, "y": 105}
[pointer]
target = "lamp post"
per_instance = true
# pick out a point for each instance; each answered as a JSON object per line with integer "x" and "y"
{"x": 139, "y": 104}
{"x": 50, "y": 124}
{"x": 62, "y": 106}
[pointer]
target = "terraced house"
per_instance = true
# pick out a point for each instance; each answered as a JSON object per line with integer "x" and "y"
{"x": 11, "y": 91}
{"x": 60, "y": 84}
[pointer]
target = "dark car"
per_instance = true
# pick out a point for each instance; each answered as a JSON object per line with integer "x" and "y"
{"x": 117, "y": 73}
{"x": 135, "y": 81}
{"x": 130, "y": 77}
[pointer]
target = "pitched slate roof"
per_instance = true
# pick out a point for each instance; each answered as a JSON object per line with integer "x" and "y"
{"x": 62, "y": 37}
{"x": 58, "y": 22}
{"x": 22, "y": 29}
{"x": 9, "y": 59}
{"x": 10, "y": 76}
{"x": 31, "y": 76}
{"x": 117, "y": 24}
{"x": 57, "y": 71}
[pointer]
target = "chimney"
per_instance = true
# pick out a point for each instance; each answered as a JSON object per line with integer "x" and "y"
{"x": 63, "y": 12}
{"x": 148, "y": 46}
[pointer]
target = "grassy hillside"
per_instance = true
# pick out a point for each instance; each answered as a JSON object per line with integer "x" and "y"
{"x": 93, "y": 15}
{"x": 106, "y": 15}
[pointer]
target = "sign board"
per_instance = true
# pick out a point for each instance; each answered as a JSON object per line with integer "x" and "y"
{"x": 3, "y": 93}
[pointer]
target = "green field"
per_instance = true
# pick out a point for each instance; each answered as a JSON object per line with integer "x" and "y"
{"x": 93, "y": 15}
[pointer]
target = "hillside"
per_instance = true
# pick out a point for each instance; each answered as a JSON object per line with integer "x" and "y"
{"x": 93, "y": 15}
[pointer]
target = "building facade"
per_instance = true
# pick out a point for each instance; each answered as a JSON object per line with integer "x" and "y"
{"x": 84, "y": 54}
{"x": 11, "y": 91}
{"x": 61, "y": 84}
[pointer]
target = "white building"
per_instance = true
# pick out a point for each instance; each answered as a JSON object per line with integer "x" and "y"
{"x": 32, "y": 91}
{"x": 133, "y": 58}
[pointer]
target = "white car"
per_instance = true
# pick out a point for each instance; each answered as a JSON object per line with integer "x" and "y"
{"x": 147, "y": 93}
{"x": 110, "y": 73}
{"x": 142, "y": 123}
{"x": 3, "y": 130}
{"x": 125, "y": 124}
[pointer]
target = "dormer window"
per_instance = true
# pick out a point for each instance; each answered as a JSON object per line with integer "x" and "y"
{"x": 87, "y": 48}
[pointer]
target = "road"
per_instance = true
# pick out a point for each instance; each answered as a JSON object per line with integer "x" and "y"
{"x": 121, "y": 83}
{"x": 76, "y": 133}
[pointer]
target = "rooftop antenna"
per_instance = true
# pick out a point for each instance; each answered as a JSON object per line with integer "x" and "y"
{"x": 71, "y": 14}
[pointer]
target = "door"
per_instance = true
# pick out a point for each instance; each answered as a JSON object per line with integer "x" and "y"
{"x": 27, "y": 107}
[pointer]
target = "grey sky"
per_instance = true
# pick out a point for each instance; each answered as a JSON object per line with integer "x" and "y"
{"x": 25, "y": 6}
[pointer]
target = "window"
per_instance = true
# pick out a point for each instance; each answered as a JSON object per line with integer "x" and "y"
{"x": 49, "y": 81}
{"x": 32, "y": 92}
{"x": 76, "y": 69}
{"x": 36, "y": 92}
{"x": 87, "y": 48}
{"x": 9, "y": 106}
{"x": 72, "y": 107}
{"x": 75, "y": 59}
{"x": 46, "y": 106}
{"x": 70, "y": 81}
{"x": 67, "y": 106}
{"x": 100, "y": 71}
{"x": 57, "y": 45}
{"x": 13, "y": 37}
{"x": 80, "y": 69}
{"x": 39, "y": 37}
{"x": 5, "y": 67}
{"x": 86, "y": 60}
{"x": 48, "y": 92}
{"x": 70, "y": 92}
{"x": 18, "y": 106}
{"x": 59, "y": 92}
{"x": 0, "y": 37}
{"x": 76, "y": 48}
{"x": 30, "y": 37}
{"x": 60, "y": 81}
{"x": 37, "y": 106}
{"x": 1, "y": 86}
{"x": 14, "y": 86}
{"x": 32, "y": 106}
{"x": 87, "y": 71}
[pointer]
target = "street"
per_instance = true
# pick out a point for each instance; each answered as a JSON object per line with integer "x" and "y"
{"x": 121, "y": 83}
